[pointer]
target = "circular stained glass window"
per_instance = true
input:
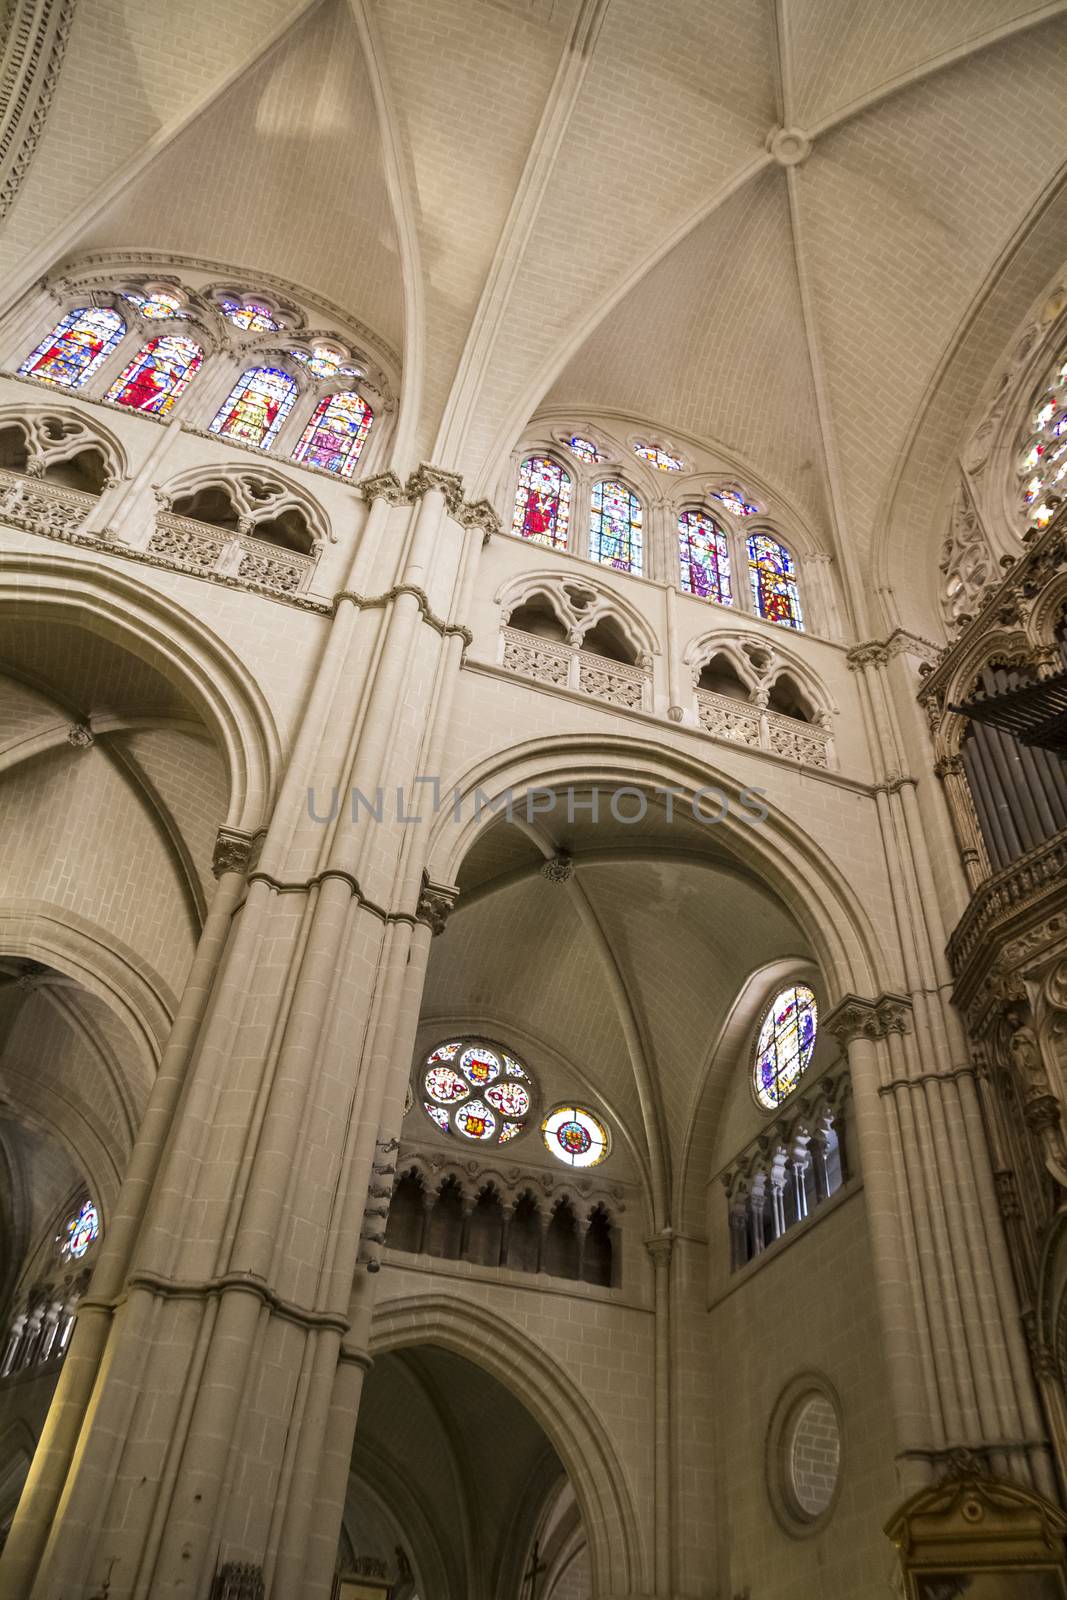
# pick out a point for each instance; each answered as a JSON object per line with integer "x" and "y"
{"x": 478, "y": 1090}
{"x": 786, "y": 1040}
{"x": 79, "y": 1231}
{"x": 575, "y": 1137}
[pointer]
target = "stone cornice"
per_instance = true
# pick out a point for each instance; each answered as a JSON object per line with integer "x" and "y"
{"x": 230, "y": 1283}
{"x": 376, "y": 602}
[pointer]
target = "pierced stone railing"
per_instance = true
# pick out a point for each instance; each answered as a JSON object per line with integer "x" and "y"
{"x": 42, "y": 507}
{"x": 1017, "y": 887}
{"x": 569, "y": 667}
{"x": 197, "y": 547}
{"x": 741, "y": 723}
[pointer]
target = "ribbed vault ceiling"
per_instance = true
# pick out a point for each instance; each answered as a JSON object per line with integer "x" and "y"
{"x": 577, "y": 200}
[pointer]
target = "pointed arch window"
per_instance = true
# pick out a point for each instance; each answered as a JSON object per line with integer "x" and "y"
{"x": 543, "y": 503}
{"x": 157, "y": 375}
{"x": 79, "y": 1231}
{"x": 336, "y": 434}
{"x": 616, "y": 532}
{"x": 76, "y": 347}
{"x": 256, "y": 406}
{"x": 773, "y": 577}
{"x": 704, "y": 555}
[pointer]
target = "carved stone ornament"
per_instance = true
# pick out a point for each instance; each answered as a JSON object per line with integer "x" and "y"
{"x": 239, "y": 1580}
{"x": 480, "y": 514}
{"x": 80, "y": 735}
{"x": 856, "y": 1018}
{"x": 36, "y": 35}
{"x": 233, "y": 851}
{"x": 559, "y": 869}
{"x": 435, "y": 903}
{"x": 383, "y": 486}
{"x": 427, "y": 477}
{"x": 661, "y": 1247}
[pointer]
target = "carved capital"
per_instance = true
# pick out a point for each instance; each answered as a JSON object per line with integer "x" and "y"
{"x": 661, "y": 1247}
{"x": 480, "y": 514}
{"x": 427, "y": 477}
{"x": 235, "y": 851}
{"x": 856, "y": 1018}
{"x": 383, "y": 486}
{"x": 871, "y": 653}
{"x": 435, "y": 903}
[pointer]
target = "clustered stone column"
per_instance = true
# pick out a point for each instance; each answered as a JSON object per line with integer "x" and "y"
{"x": 957, "y": 1361}
{"x": 207, "y": 1407}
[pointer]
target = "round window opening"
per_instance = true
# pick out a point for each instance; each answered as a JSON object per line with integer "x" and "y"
{"x": 478, "y": 1090}
{"x": 575, "y": 1137}
{"x": 786, "y": 1041}
{"x": 812, "y": 1457}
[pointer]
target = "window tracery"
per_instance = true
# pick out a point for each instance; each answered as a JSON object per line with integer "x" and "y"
{"x": 574, "y": 1136}
{"x": 336, "y": 434}
{"x": 157, "y": 375}
{"x": 772, "y": 576}
{"x": 76, "y": 347}
{"x": 477, "y": 1090}
{"x": 785, "y": 1044}
{"x": 256, "y": 406}
{"x": 298, "y": 397}
{"x": 1043, "y": 449}
{"x": 701, "y": 546}
{"x": 735, "y": 499}
{"x": 616, "y": 533}
{"x": 543, "y": 503}
{"x": 658, "y": 457}
{"x": 704, "y": 554}
{"x": 79, "y": 1231}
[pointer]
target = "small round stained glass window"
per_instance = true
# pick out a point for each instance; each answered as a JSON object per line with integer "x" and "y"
{"x": 575, "y": 1137}
{"x": 79, "y": 1232}
{"x": 477, "y": 1090}
{"x": 786, "y": 1041}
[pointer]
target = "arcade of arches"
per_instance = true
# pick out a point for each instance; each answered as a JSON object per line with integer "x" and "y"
{"x": 533, "y": 817}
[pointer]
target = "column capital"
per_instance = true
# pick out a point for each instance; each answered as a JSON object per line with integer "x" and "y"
{"x": 427, "y": 477}
{"x": 383, "y": 486}
{"x": 235, "y": 851}
{"x": 435, "y": 904}
{"x": 856, "y": 1018}
{"x": 661, "y": 1247}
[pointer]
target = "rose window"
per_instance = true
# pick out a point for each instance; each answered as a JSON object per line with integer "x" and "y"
{"x": 477, "y": 1090}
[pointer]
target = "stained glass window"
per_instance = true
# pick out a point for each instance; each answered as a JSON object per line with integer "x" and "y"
{"x": 615, "y": 532}
{"x": 786, "y": 1040}
{"x": 79, "y": 1231}
{"x": 256, "y": 406}
{"x": 774, "y": 581}
{"x": 155, "y": 305}
{"x": 543, "y": 503}
{"x": 248, "y": 315}
{"x": 705, "y": 557}
{"x": 659, "y": 457}
{"x": 157, "y": 375}
{"x": 336, "y": 434}
{"x": 584, "y": 449}
{"x": 575, "y": 1137}
{"x": 326, "y": 362}
{"x": 734, "y": 500}
{"x": 76, "y": 347}
{"x": 478, "y": 1090}
{"x": 1043, "y": 465}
